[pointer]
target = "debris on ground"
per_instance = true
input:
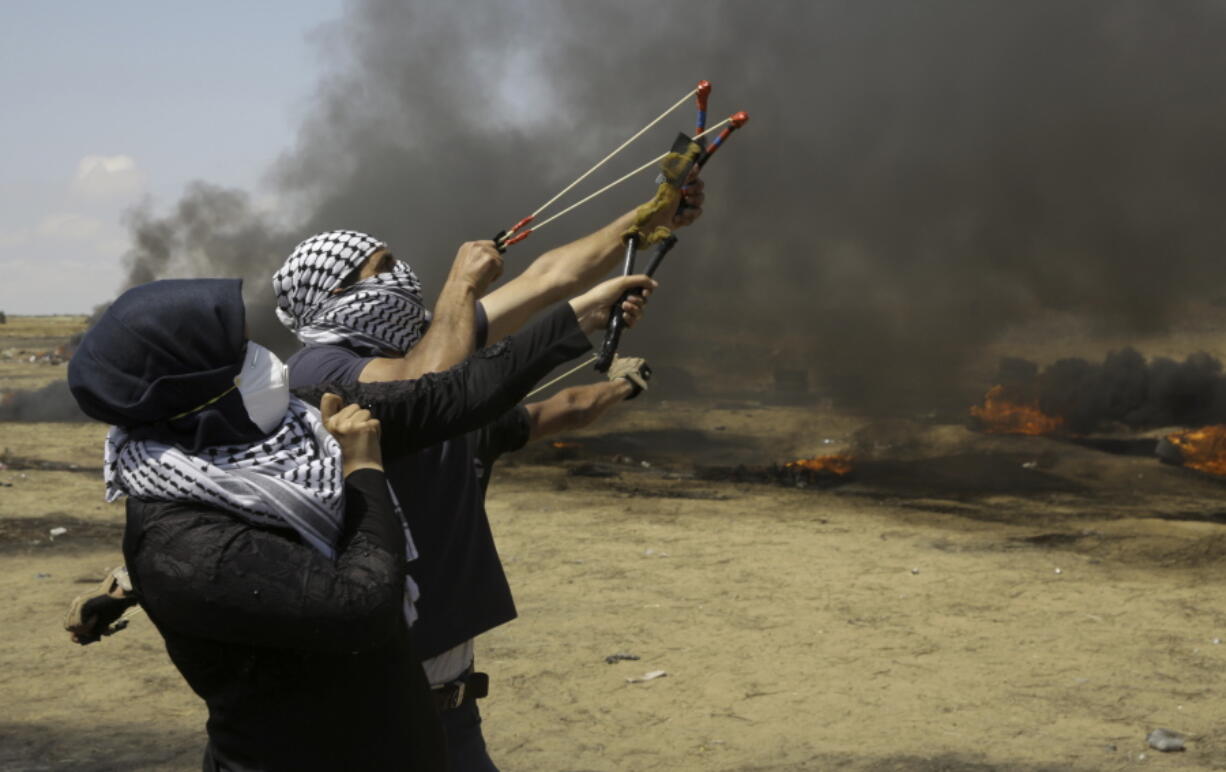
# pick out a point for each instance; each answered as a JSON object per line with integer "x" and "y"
{"x": 593, "y": 470}
{"x": 653, "y": 675}
{"x": 1165, "y": 740}
{"x": 613, "y": 659}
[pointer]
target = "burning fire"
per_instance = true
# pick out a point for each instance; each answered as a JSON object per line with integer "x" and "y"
{"x": 566, "y": 445}
{"x": 1202, "y": 449}
{"x": 1000, "y": 416}
{"x": 837, "y": 464}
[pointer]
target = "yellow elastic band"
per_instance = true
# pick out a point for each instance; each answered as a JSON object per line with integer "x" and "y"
{"x": 198, "y": 408}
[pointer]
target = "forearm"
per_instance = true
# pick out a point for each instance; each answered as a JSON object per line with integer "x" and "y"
{"x": 449, "y": 340}
{"x": 572, "y": 268}
{"x": 556, "y": 275}
{"x": 576, "y": 407}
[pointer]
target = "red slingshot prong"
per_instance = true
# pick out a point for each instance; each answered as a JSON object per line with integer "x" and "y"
{"x": 703, "y": 92}
{"x": 514, "y": 228}
{"x": 735, "y": 121}
{"x": 517, "y": 238}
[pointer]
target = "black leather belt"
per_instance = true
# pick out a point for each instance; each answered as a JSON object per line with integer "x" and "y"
{"x": 467, "y": 688}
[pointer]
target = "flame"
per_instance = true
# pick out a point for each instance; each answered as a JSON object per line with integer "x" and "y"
{"x": 1202, "y": 449}
{"x": 566, "y": 445}
{"x": 1000, "y": 416}
{"x": 837, "y": 464}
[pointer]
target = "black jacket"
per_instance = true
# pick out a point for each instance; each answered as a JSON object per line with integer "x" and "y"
{"x": 305, "y": 662}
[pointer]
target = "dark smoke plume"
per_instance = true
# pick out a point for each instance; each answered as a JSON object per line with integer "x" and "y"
{"x": 917, "y": 178}
{"x": 52, "y": 402}
{"x": 1123, "y": 390}
{"x": 214, "y": 231}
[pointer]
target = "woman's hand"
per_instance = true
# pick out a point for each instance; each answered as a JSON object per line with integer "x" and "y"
{"x": 592, "y": 307}
{"x": 356, "y": 431}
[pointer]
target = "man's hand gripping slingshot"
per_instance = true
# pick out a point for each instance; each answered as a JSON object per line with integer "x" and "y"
{"x": 678, "y": 167}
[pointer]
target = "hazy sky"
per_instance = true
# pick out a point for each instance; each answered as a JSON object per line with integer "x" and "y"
{"x": 107, "y": 105}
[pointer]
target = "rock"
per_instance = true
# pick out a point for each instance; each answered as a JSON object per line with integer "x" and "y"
{"x": 1165, "y": 740}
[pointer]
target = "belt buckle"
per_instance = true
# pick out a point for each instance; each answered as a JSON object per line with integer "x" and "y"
{"x": 457, "y": 698}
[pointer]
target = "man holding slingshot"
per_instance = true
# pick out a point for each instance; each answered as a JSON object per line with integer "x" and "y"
{"x": 367, "y": 324}
{"x": 360, "y": 313}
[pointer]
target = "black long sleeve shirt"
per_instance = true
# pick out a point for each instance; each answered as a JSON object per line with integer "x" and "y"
{"x": 464, "y": 590}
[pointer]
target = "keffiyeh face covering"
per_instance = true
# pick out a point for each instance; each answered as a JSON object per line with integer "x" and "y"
{"x": 384, "y": 313}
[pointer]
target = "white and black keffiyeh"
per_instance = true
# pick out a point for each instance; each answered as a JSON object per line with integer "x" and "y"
{"x": 384, "y": 313}
{"x": 291, "y": 479}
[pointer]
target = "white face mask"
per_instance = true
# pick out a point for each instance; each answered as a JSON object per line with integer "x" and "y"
{"x": 264, "y": 385}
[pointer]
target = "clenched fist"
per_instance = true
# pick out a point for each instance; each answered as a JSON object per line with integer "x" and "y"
{"x": 478, "y": 264}
{"x": 592, "y": 308}
{"x": 357, "y": 432}
{"x": 634, "y": 369}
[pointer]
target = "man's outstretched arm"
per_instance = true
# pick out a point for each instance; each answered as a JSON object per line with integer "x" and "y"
{"x": 572, "y": 268}
{"x": 579, "y": 406}
{"x": 574, "y": 408}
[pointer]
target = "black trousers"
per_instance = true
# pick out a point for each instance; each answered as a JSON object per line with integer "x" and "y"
{"x": 465, "y": 743}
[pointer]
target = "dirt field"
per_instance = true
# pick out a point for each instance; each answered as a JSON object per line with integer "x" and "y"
{"x": 26, "y": 338}
{"x": 965, "y": 603}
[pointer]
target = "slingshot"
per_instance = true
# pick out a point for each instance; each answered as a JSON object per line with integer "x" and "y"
{"x": 677, "y": 167}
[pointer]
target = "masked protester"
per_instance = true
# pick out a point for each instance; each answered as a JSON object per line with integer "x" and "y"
{"x": 360, "y": 314}
{"x": 262, "y": 538}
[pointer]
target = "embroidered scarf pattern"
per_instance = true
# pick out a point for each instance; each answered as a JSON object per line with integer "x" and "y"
{"x": 291, "y": 479}
{"x": 381, "y": 314}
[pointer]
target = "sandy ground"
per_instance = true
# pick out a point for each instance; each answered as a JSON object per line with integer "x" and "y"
{"x": 965, "y": 603}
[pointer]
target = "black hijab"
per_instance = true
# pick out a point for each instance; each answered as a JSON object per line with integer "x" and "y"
{"x": 161, "y": 362}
